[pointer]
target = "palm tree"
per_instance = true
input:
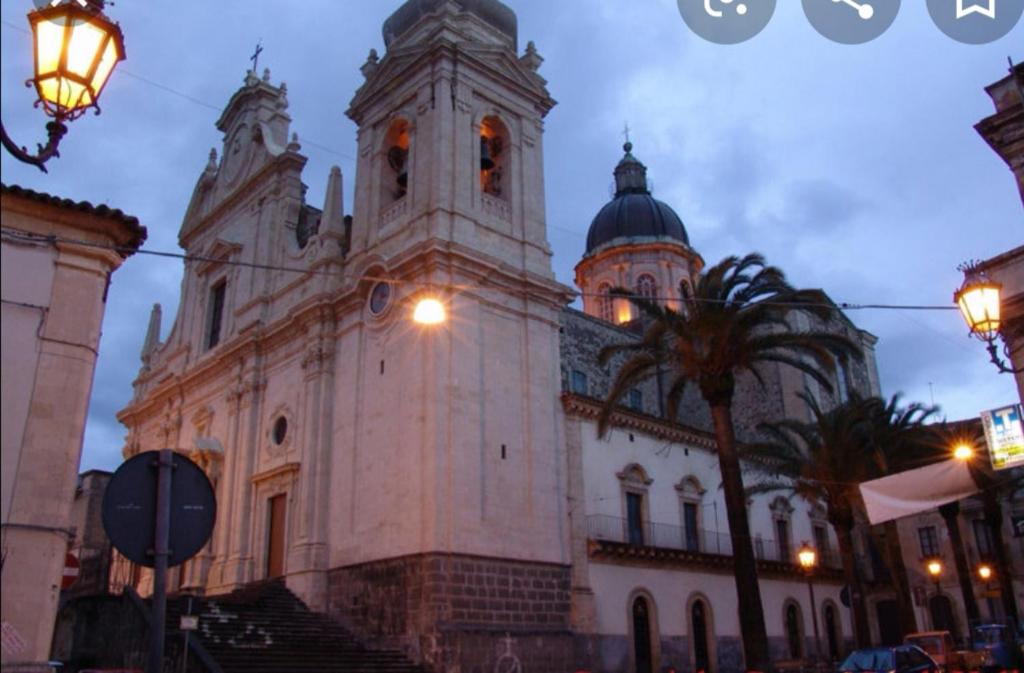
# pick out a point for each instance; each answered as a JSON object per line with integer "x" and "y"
{"x": 899, "y": 441}
{"x": 733, "y": 321}
{"x": 822, "y": 462}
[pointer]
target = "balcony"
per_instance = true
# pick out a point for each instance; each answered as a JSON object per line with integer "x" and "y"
{"x": 611, "y": 537}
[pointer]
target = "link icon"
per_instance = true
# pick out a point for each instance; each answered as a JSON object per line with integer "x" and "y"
{"x": 727, "y": 21}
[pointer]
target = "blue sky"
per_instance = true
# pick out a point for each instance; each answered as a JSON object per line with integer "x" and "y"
{"x": 854, "y": 168}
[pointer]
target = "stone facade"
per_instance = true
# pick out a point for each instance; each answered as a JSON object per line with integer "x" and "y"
{"x": 58, "y": 257}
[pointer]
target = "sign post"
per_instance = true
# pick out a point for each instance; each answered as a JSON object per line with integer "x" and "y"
{"x": 159, "y": 511}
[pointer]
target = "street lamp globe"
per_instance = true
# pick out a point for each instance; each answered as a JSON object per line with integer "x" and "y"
{"x": 429, "y": 311}
{"x": 979, "y": 302}
{"x": 807, "y": 556}
{"x": 76, "y": 48}
{"x": 963, "y": 452}
{"x": 934, "y": 568}
{"x": 985, "y": 572}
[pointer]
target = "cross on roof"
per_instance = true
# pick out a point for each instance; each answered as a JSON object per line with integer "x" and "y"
{"x": 255, "y": 58}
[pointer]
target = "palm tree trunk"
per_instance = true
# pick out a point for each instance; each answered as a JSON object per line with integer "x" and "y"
{"x": 898, "y": 570}
{"x": 861, "y": 631}
{"x": 748, "y": 591}
{"x": 951, "y": 514}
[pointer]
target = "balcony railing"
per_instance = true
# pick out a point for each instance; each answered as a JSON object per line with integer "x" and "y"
{"x": 667, "y": 536}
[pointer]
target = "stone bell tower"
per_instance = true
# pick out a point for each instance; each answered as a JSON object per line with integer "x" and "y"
{"x": 450, "y": 533}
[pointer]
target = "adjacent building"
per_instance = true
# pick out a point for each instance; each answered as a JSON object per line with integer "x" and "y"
{"x": 58, "y": 257}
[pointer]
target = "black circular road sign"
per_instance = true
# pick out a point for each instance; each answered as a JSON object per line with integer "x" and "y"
{"x": 129, "y": 509}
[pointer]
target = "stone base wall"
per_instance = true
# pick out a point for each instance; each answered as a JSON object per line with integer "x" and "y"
{"x": 460, "y": 613}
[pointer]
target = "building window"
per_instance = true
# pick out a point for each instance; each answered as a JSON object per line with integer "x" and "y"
{"x": 579, "y": 382}
{"x": 929, "y": 541}
{"x": 700, "y": 628}
{"x": 218, "y": 293}
{"x": 280, "y": 430}
{"x": 635, "y": 483}
{"x": 690, "y": 494}
{"x": 842, "y": 383}
{"x": 493, "y": 153}
{"x": 781, "y": 513}
{"x": 794, "y": 630}
{"x": 647, "y": 287}
{"x": 821, "y": 541}
{"x": 606, "y": 305}
{"x": 636, "y": 400}
{"x": 983, "y": 538}
{"x": 395, "y": 184}
{"x": 643, "y": 651}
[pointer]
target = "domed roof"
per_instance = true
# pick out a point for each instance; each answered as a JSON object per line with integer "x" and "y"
{"x": 493, "y": 12}
{"x": 634, "y": 214}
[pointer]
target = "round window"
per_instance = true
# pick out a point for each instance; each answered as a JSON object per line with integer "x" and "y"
{"x": 280, "y": 430}
{"x": 380, "y": 298}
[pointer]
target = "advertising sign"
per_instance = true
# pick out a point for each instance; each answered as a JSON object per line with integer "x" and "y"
{"x": 1005, "y": 436}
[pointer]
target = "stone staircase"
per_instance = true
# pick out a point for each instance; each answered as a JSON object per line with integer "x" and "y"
{"x": 264, "y": 628}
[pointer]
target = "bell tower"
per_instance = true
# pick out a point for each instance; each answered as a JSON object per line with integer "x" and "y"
{"x": 450, "y": 435}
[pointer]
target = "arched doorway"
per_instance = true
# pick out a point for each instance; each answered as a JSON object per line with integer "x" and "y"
{"x": 888, "y": 622}
{"x": 642, "y": 650}
{"x": 832, "y": 631}
{"x": 700, "y": 632}
{"x": 941, "y": 609}
{"x": 794, "y": 631}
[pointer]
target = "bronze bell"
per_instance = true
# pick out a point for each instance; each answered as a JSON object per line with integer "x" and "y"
{"x": 486, "y": 162}
{"x": 397, "y": 159}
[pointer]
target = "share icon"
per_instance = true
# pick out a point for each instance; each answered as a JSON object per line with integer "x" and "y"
{"x": 864, "y": 9}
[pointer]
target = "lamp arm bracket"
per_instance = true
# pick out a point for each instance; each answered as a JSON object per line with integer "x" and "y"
{"x": 993, "y": 352}
{"x": 55, "y": 132}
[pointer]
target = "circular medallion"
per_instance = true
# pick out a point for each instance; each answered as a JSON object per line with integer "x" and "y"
{"x": 380, "y": 298}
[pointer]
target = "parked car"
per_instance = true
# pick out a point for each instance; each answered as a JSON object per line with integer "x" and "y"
{"x": 939, "y": 646}
{"x": 896, "y": 659}
{"x": 999, "y": 644}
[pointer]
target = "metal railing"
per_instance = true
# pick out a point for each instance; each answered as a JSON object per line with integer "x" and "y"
{"x": 670, "y": 536}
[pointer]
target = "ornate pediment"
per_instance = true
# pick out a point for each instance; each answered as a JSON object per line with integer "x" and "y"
{"x": 219, "y": 252}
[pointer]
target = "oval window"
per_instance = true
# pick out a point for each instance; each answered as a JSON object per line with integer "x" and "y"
{"x": 280, "y": 430}
{"x": 380, "y": 298}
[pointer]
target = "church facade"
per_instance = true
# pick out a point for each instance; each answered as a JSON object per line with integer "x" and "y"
{"x": 443, "y": 488}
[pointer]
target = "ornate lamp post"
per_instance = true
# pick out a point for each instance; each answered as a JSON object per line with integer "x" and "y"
{"x": 935, "y": 568}
{"x": 76, "y": 48}
{"x": 808, "y": 558}
{"x": 979, "y": 299}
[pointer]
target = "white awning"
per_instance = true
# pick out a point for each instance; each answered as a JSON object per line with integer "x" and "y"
{"x": 916, "y": 491}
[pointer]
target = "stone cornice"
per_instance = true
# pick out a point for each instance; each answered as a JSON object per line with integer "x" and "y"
{"x": 590, "y": 408}
{"x": 287, "y": 468}
{"x": 619, "y": 553}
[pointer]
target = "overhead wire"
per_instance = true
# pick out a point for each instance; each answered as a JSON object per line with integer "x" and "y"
{"x": 53, "y": 240}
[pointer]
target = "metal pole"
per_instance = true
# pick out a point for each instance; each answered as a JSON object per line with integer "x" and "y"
{"x": 165, "y": 464}
{"x": 814, "y": 620}
{"x": 184, "y": 654}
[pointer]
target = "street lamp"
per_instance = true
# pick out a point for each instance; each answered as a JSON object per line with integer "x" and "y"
{"x": 76, "y": 48}
{"x": 979, "y": 299}
{"x": 808, "y": 558}
{"x": 985, "y": 572}
{"x": 429, "y": 311}
{"x": 963, "y": 452}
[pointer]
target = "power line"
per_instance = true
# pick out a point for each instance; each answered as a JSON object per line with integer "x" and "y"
{"x": 53, "y": 240}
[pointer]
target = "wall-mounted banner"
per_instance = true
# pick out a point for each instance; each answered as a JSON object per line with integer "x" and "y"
{"x": 1005, "y": 436}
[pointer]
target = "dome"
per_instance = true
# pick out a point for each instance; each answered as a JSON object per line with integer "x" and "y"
{"x": 493, "y": 12}
{"x": 634, "y": 215}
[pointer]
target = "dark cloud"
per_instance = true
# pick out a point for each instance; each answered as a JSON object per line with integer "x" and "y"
{"x": 856, "y": 169}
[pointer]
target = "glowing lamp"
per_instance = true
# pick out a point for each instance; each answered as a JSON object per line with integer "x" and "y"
{"x": 979, "y": 300}
{"x": 934, "y": 568}
{"x": 429, "y": 311}
{"x": 963, "y": 452}
{"x": 985, "y": 572}
{"x": 807, "y": 556}
{"x": 76, "y": 49}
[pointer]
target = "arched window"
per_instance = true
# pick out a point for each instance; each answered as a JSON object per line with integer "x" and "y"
{"x": 395, "y": 182}
{"x": 635, "y": 482}
{"x": 690, "y": 495}
{"x": 700, "y": 631}
{"x": 647, "y": 287}
{"x": 782, "y": 510}
{"x": 643, "y": 652}
{"x": 605, "y": 303}
{"x": 794, "y": 630}
{"x": 494, "y": 152}
{"x": 832, "y": 631}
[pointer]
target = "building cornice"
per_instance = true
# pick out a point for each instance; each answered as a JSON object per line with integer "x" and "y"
{"x": 590, "y": 408}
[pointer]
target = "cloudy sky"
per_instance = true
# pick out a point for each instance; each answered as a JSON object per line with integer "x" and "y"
{"x": 854, "y": 168}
